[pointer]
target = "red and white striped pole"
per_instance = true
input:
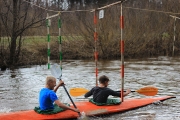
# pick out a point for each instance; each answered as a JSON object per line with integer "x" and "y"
{"x": 122, "y": 54}
{"x": 95, "y": 41}
{"x": 174, "y": 32}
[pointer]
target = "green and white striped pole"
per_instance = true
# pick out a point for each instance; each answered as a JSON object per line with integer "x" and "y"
{"x": 60, "y": 41}
{"x": 48, "y": 24}
{"x": 48, "y": 39}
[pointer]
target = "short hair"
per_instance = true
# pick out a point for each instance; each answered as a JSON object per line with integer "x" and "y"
{"x": 50, "y": 79}
{"x": 103, "y": 79}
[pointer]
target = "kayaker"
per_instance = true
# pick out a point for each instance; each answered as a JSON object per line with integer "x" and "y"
{"x": 47, "y": 95}
{"x": 100, "y": 93}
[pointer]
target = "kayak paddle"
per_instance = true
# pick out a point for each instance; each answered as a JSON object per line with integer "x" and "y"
{"x": 57, "y": 73}
{"x": 148, "y": 91}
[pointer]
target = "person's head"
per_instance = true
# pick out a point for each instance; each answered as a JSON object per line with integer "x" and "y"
{"x": 104, "y": 80}
{"x": 50, "y": 82}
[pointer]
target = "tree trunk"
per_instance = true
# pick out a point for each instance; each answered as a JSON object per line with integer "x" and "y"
{"x": 14, "y": 36}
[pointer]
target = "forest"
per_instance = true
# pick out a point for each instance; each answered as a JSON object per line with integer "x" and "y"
{"x": 151, "y": 29}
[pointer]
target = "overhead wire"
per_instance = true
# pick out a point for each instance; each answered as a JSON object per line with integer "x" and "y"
{"x": 100, "y": 8}
{"x": 151, "y": 10}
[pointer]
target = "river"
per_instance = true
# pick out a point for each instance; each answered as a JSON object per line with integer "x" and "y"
{"x": 19, "y": 88}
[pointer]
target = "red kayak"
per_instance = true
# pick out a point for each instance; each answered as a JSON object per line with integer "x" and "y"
{"x": 89, "y": 108}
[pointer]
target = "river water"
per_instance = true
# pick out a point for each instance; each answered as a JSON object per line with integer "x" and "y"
{"x": 19, "y": 88}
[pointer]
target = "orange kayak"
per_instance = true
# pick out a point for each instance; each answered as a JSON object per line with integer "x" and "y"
{"x": 88, "y": 108}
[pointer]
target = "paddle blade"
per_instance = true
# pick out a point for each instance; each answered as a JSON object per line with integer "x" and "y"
{"x": 56, "y": 71}
{"x": 77, "y": 91}
{"x": 148, "y": 91}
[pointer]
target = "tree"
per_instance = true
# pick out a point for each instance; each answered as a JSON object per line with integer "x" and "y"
{"x": 17, "y": 17}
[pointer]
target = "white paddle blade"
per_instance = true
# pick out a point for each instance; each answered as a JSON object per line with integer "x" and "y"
{"x": 83, "y": 116}
{"x": 56, "y": 71}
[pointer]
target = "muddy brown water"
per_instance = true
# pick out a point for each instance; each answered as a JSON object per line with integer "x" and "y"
{"x": 19, "y": 88}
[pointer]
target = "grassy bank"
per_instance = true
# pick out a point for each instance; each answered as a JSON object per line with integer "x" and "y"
{"x": 34, "y": 49}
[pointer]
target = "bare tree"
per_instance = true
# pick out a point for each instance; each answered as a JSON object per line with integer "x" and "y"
{"x": 16, "y": 17}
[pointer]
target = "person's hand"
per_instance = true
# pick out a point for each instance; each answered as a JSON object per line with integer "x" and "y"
{"x": 61, "y": 83}
{"x": 128, "y": 91}
{"x": 76, "y": 110}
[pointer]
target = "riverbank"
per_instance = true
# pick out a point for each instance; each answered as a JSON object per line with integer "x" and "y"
{"x": 35, "y": 52}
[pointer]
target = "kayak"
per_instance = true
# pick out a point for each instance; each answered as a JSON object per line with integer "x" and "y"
{"x": 87, "y": 107}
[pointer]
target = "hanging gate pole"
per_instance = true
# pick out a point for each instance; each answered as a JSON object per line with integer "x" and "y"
{"x": 95, "y": 40}
{"x": 122, "y": 55}
{"x": 60, "y": 41}
{"x": 48, "y": 24}
{"x": 48, "y": 39}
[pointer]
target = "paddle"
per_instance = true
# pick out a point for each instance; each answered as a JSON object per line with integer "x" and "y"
{"x": 148, "y": 91}
{"x": 56, "y": 72}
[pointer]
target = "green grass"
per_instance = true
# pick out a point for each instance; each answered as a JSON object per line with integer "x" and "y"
{"x": 31, "y": 40}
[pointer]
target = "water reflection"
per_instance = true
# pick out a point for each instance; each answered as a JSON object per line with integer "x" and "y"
{"x": 19, "y": 88}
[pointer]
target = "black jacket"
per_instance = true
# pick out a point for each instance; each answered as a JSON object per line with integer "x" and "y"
{"x": 100, "y": 94}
